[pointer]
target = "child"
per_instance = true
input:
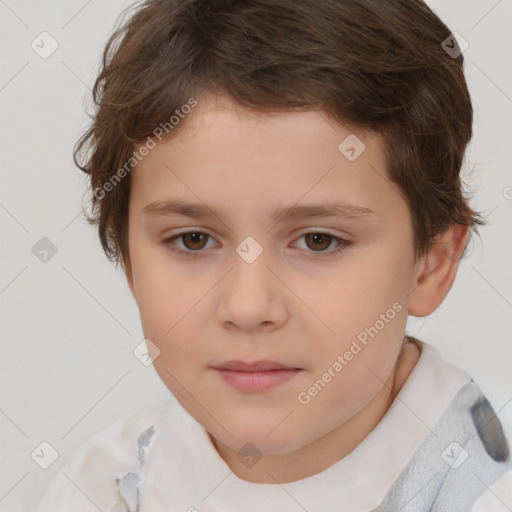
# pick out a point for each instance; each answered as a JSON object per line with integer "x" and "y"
{"x": 232, "y": 137}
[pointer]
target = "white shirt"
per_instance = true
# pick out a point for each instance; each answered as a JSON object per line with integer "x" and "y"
{"x": 170, "y": 464}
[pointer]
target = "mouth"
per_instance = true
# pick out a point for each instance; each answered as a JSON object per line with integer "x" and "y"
{"x": 255, "y": 376}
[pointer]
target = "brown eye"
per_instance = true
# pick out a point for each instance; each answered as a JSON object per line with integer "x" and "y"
{"x": 194, "y": 240}
{"x": 318, "y": 241}
{"x": 191, "y": 242}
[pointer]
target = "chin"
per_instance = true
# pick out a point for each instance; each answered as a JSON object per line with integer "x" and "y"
{"x": 276, "y": 443}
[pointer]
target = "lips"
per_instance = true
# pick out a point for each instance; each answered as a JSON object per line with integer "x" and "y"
{"x": 257, "y": 366}
{"x": 257, "y": 376}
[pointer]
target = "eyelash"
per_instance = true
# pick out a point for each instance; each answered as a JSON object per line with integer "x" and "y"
{"x": 168, "y": 243}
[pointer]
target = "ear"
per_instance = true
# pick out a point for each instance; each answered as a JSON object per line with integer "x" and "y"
{"x": 437, "y": 270}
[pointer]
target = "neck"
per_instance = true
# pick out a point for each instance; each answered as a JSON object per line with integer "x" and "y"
{"x": 331, "y": 447}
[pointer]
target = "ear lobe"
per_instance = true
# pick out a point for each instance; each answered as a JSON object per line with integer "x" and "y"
{"x": 437, "y": 271}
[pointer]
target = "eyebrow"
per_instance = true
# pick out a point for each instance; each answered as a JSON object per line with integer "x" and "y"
{"x": 201, "y": 211}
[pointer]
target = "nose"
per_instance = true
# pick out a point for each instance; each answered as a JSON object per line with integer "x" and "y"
{"x": 252, "y": 297}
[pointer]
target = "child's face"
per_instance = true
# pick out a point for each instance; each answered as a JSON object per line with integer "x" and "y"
{"x": 299, "y": 303}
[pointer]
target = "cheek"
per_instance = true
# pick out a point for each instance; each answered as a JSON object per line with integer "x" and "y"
{"x": 167, "y": 308}
{"x": 366, "y": 315}
{"x": 355, "y": 295}
{"x": 171, "y": 311}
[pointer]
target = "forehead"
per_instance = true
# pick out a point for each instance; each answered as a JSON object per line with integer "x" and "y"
{"x": 226, "y": 154}
{"x": 222, "y": 119}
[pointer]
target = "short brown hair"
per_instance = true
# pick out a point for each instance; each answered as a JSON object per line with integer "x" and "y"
{"x": 376, "y": 65}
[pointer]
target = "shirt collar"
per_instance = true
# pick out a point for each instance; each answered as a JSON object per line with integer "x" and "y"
{"x": 183, "y": 469}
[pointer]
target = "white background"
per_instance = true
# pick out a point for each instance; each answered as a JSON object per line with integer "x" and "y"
{"x": 69, "y": 326}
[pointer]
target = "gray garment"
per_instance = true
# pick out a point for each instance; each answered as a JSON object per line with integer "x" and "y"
{"x": 466, "y": 452}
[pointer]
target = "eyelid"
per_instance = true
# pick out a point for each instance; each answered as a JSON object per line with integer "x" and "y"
{"x": 324, "y": 231}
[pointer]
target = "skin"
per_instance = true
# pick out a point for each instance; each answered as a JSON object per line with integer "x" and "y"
{"x": 298, "y": 303}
